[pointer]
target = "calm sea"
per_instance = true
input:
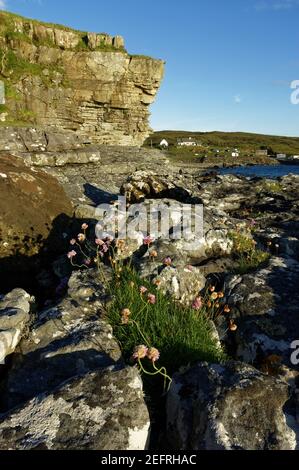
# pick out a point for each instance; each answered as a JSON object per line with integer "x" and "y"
{"x": 265, "y": 171}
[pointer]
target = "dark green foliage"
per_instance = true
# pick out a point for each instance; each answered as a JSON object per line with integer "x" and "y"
{"x": 181, "y": 334}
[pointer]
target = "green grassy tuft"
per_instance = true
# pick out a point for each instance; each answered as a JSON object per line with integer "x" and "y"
{"x": 182, "y": 335}
{"x": 247, "y": 143}
{"x": 247, "y": 255}
{"x": 271, "y": 186}
{"x": 7, "y": 30}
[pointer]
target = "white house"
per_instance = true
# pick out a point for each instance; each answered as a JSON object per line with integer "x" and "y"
{"x": 164, "y": 143}
{"x": 235, "y": 154}
{"x": 187, "y": 142}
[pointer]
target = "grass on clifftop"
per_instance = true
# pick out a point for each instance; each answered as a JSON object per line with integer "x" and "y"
{"x": 182, "y": 335}
{"x": 7, "y": 30}
{"x": 246, "y": 142}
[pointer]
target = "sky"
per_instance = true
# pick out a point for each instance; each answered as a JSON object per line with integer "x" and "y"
{"x": 229, "y": 63}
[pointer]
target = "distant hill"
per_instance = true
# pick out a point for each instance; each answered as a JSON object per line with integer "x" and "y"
{"x": 244, "y": 141}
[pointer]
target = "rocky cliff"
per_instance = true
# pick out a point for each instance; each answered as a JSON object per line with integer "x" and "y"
{"x": 71, "y": 80}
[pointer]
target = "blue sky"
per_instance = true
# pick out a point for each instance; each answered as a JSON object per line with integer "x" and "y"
{"x": 229, "y": 63}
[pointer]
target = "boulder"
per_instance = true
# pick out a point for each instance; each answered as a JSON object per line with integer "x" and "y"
{"x": 227, "y": 407}
{"x": 265, "y": 308}
{"x": 67, "y": 386}
{"x": 34, "y": 214}
{"x": 182, "y": 283}
{"x": 14, "y": 318}
{"x": 143, "y": 185}
{"x": 102, "y": 410}
{"x": 63, "y": 341}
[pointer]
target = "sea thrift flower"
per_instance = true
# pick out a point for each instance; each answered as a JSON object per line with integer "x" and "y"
{"x": 151, "y": 299}
{"x": 232, "y": 326}
{"x": 87, "y": 262}
{"x": 226, "y": 309}
{"x": 143, "y": 290}
{"x": 81, "y": 237}
{"x": 120, "y": 244}
{"x": 189, "y": 267}
{"x": 153, "y": 354}
{"x": 214, "y": 296}
{"x": 197, "y": 303}
{"x": 220, "y": 295}
{"x": 99, "y": 242}
{"x": 105, "y": 248}
{"x": 125, "y": 314}
{"x": 167, "y": 261}
{"x": 148, "y": 240}
{"x": 153, "y": 254}
{"x": 71, "y": 254}
{"x": 157, "y": 282}
{"x": 126, "y": 311}
{"x": 140, "y": 352}
{"x": 73, "y": 241}
{"x": 212, "y": 288}
{"x": 209, "y": 304}
{"x": 84, "y": 227}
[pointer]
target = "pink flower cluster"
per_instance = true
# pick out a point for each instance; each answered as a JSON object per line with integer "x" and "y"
{"x": 72, "y": 254}
{"x": 81, "y": 238}
{"x": 141, "y": 351}
{"x": 103, "y": 245}
{"x": 148, "y": 240}
{"x": 167, "y": 261}
{"x": 151, "y": 298}
{"x": 197, "y": 303}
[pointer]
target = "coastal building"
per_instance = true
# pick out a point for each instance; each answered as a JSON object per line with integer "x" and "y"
{"x": 235, "y": 154}
{"x": 187, "y": 142}
{"x": 281, "y": 156}
{"x": 261, "y": 153}
{"x": 164, "y": 143}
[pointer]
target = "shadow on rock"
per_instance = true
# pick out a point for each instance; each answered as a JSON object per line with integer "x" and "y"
{"x": 97, "y": 195}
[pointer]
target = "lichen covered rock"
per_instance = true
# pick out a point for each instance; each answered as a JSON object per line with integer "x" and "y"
{"x": 230, "y": 407}
{"x": 14, "y": 318}
{"x": 68, "y": 386}
{"x": 102, "y": 410}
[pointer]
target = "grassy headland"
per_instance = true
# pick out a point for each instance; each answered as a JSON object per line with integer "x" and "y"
{"x": 217, "y": 147}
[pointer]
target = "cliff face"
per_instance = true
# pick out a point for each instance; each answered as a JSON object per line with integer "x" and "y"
{"x": 84, "y": 82}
